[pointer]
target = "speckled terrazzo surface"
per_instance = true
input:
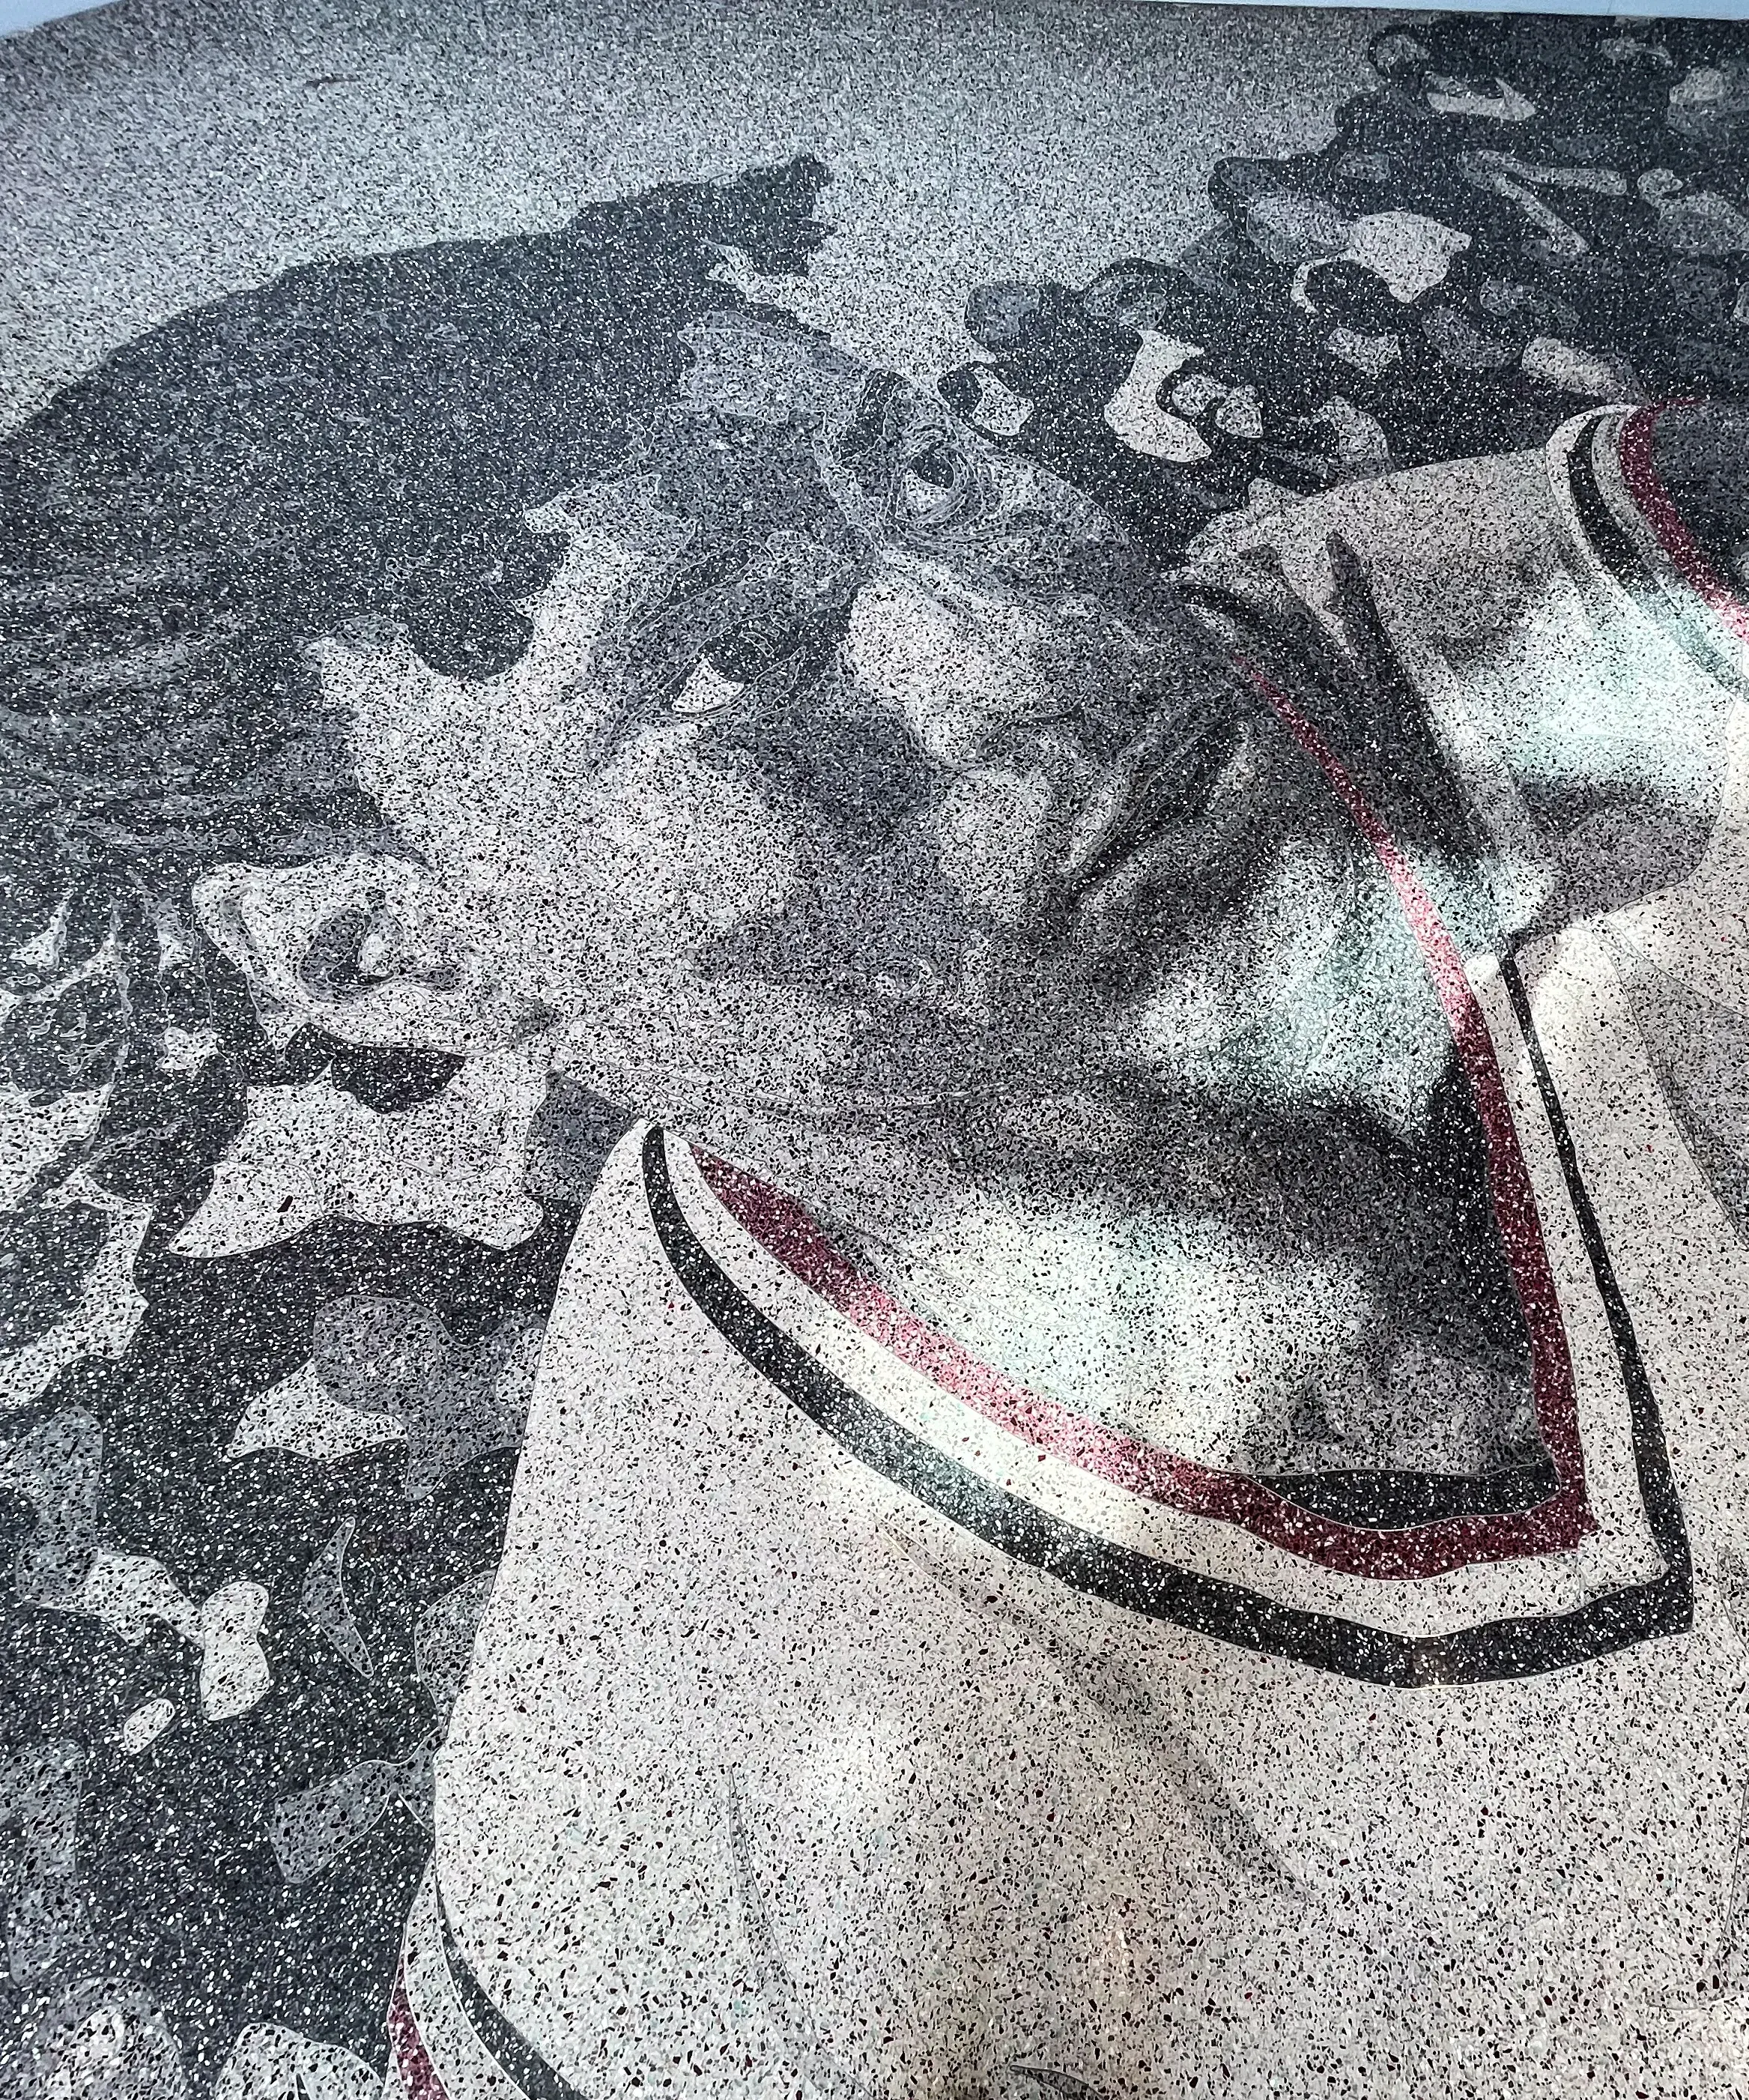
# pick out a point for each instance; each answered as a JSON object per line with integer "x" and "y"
{"x": 875, "y": 1035}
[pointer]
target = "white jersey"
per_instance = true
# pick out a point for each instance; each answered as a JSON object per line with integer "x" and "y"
{"x": 848, "y": 1719}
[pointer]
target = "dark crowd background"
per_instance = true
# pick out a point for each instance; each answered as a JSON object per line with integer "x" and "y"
{"x": 1597, "y": 170}
{"x": 162, "y": 1898}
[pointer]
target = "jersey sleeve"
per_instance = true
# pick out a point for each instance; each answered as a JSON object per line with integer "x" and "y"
{"x": 1555, "y": 626}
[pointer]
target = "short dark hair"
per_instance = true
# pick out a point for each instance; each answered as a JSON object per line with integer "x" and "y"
{"x": 358, "y": 440}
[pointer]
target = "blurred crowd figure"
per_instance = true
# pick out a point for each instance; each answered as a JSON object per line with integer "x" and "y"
{"x": 1526, "y": 216}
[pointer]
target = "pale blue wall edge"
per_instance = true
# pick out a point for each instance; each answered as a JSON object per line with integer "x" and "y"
{"x": 16, "y": 14}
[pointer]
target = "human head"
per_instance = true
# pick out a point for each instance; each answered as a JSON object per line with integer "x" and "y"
{"x": 856, "y": 766}
{"x": 352, "y": 443}
{"x": 850, "y": 760}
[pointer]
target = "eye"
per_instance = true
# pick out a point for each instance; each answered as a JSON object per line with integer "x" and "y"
{"x": 936, "y": 484}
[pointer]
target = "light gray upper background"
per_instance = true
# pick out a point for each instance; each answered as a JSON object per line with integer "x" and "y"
{"x": 15, "y": 15}
{"x": 156, "y": 154}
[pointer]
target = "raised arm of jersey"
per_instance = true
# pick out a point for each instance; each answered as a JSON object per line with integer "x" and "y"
{"x": 1549, "y": 631}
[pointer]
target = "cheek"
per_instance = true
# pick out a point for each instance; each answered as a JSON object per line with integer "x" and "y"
{"x": 571, "y": 872}
{"x": 990, "y": 830}
{"x": 607, "y": 895}
{"x": 674, "y": 841}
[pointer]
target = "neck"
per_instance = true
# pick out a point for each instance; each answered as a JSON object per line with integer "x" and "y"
{"x": 1278, "y": 1293}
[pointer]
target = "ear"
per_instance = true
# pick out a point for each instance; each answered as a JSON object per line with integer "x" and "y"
{"x": 368, "y": 949}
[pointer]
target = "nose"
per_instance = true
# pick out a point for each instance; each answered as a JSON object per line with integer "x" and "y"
{"x": 1160, "y": 782}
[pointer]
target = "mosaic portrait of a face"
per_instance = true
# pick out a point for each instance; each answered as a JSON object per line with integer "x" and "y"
{"x": 874, "y": 1053}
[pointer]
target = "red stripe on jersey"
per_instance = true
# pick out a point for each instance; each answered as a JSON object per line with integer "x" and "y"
{"x": 1156, "y": 1474}
{"x": 1641, "y": 478}
{"x": 418, "y": 2074}
{"x": 1160, "y": 1475}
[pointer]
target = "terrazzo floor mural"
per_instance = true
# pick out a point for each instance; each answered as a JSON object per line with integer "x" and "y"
{"x": 875, "y": 1039}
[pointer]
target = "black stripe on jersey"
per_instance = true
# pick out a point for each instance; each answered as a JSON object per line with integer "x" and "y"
{"x": 1615, "y": 550}
{"x": 1522, "y": 1647}
{"x": 1605, "y": 531}
{"x": 1651, "y": 1458}
{"x": 1366, "y": 1499}
{"x": 520, "y": 2060}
